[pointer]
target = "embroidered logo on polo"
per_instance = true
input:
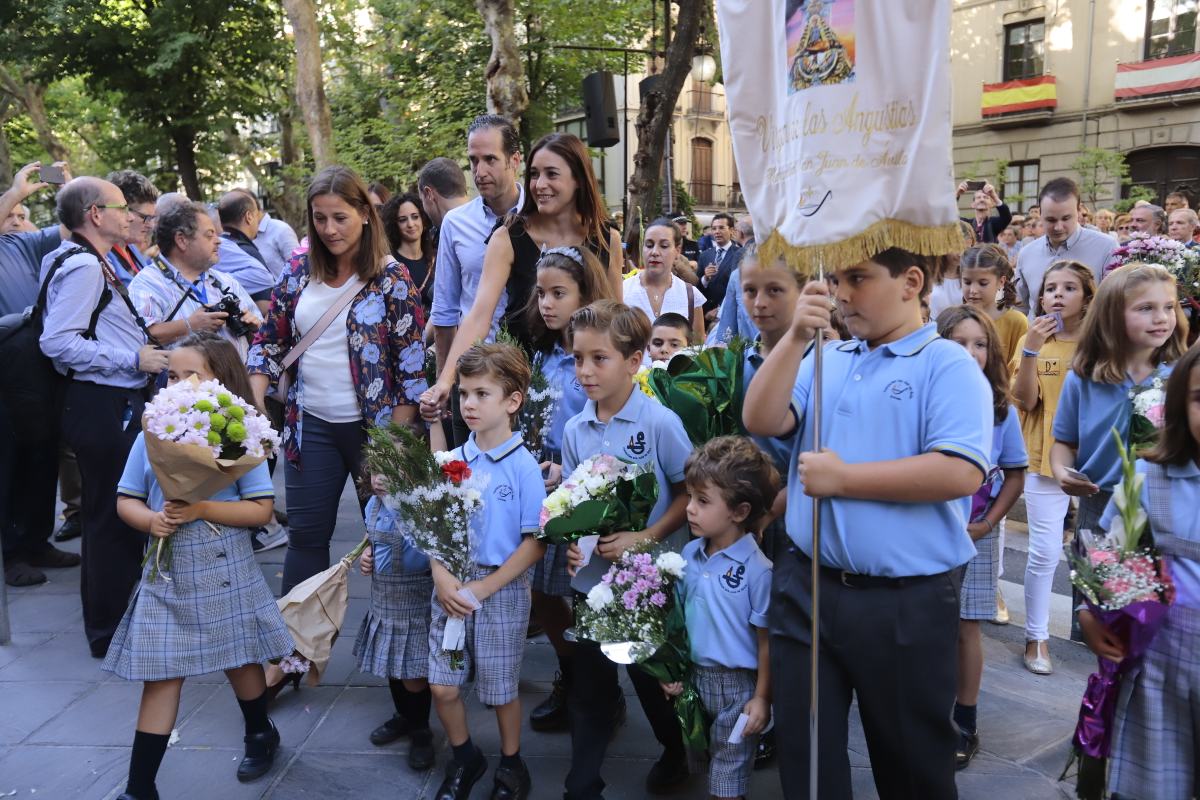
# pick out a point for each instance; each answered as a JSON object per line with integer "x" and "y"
{"x": 899, "y": 390}
{"x": 734, "y": 579}
{"x": 637, "y": 445}
{"x": 1048, "y": 367}
{"x": 503, "y": 492}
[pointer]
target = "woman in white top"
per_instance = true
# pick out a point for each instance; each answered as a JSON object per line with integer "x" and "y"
{"x": 656, "y": 290}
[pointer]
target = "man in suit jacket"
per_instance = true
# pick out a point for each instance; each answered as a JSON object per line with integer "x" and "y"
{"x": 987, "y": 228}
{"x": 717, "y": 262}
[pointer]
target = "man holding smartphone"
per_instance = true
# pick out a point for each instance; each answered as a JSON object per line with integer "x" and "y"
{"x": 987, "y": 227}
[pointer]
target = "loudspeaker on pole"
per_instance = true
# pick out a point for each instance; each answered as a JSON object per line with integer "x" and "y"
{"x": 600, "y": 110}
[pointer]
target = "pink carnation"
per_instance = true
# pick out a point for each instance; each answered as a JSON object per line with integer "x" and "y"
{"x": 1156, "y": 415}
{"x": 1098, "y": 557}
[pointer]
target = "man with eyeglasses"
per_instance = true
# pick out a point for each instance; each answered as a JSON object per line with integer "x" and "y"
{"x": 94, "y": 336}
{"x": 128, "y": 257}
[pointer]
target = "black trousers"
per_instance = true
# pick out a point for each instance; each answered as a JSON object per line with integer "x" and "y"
{"x": 593, "y": 702}
{"x": 894, "y": 648}
{"x": 28, "y": 478}
{"x": 100, "y": 423}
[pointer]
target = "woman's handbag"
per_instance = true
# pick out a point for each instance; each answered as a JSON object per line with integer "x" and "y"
{"x": 335, "y": 308}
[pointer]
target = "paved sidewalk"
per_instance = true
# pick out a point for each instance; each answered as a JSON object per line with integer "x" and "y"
{"x": 65, "y": 726}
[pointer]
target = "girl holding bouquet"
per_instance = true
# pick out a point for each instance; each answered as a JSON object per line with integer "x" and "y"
{"x": 725, "y": 592}
{"x": 215, "y": 612}
{"x": 1153, "y": 753}
{"x": 971, "y": 328}
{"x": 1045, "y": 359}
{"x": 568, "y": 279}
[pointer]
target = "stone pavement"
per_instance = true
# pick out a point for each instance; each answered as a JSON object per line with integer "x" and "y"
{"x": 65, "y": 726}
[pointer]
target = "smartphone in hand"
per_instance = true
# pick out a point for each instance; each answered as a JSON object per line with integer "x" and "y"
{"x": 975, "y": 186}
{"x": 1077, "y": 475}
{"x": 52, "y": 174}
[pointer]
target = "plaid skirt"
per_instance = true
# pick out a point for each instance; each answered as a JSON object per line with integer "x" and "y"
{"x": 1158, "y": 716}
{"x": 393, "y": 641}
{"x": 550, "y": 574}
{"x": 982, "y": 576}
{"x": 215, "y": 613}
{"x": 725, "y": 692}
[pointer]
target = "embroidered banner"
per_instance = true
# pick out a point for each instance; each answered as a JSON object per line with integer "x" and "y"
{"x": 840, "y": 115}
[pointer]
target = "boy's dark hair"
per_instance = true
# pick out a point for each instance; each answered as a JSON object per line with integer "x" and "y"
{"x": 445, "y": 176}
{"x": 1058, "y": 190}
{"x": 995, "y": 369}
{"x": 507, "y": 364}
{"x": 135, "y": 186}
{"x": 672, "y": 320}
{"x": 993, "y": 258}
{"x": 897, "y": 261}
{"x": 1176, "y": 445}
{"x": 627, "y": 328}
{"x": 739, "y": 470}
{"x": 223, "y": 362}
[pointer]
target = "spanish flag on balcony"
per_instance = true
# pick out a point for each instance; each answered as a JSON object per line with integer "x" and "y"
{"x": 1029, "y": 94}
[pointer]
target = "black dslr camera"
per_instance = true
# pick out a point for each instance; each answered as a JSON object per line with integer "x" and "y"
{"x": 228, "y": 304}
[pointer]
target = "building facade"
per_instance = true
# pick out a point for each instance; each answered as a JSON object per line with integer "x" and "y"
{"x": 1038, "y": 81}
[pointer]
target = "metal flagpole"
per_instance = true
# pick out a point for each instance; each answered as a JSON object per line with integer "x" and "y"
{"x": 815, "y": 633}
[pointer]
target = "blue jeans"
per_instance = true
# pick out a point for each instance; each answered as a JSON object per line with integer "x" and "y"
{"x": 329, "y": 453}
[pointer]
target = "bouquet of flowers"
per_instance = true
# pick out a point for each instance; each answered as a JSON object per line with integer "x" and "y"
{"x": 436, "y": 496}
{"x": 602, "y": 495}
{"x": 200, "y": 437}
{"x": 634, "y": 616}
{"x": 1148, "y": 414}
{"x": 1126, "y": 586}
{"x": 704, "y": 387}
{"x": 1180, "y": 260}
{"x": 537, "y": 412}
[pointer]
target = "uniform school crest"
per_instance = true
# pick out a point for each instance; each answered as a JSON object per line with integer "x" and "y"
{"x": 503, "y": 492}
{"x": 637, "y": 445}
{"x": 734, "y": 579}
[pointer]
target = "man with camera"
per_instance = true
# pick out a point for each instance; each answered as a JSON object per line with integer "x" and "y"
{"x": 181, "y": 293}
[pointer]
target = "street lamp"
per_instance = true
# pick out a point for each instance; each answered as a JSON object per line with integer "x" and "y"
{"x": 704, "y": 66}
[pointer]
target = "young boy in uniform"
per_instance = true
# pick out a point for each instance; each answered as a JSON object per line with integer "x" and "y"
{"x": 906, "y": 426}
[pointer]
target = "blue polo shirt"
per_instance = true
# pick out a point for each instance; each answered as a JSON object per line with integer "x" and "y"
{"x": 1087, "y": 413}
{"x": 512, "y": 499}
{"x": 779, "y": 448}
{"x": 642, "y": 432}
{"x": 138, "y": 481}
{"x": 725, "y": 597}
{"x": 386, "y": 531}
{"x": 559, "y": 368}
{"x": 1008, "y": 448}
{"x": 919, "y": 394}
{"x": 1184, "y": 492}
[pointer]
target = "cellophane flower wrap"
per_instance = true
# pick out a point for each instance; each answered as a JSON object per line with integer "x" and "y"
{"x": 1180, "y": 260}
{"x": 1127, "y": 587}
{"x": 1149, "y": 414}
{"x": 602, "y": 495}
{"x": 537, "y": 412}
{"x": 704, "y": 387}
{"x": 634, "y": 612}
{"x": 436, "y": 497}
{"x": 200, "y": 438}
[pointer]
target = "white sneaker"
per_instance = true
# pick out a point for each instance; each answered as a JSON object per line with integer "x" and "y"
{"x": 270, "y": 537}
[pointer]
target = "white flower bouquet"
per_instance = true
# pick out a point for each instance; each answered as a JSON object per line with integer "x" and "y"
{"x": 602, "y": 495}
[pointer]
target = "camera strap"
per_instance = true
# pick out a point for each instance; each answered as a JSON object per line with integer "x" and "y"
{"x": 187, "y": 290}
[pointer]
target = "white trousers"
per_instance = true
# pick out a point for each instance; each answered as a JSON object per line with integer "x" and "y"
{"x": 1046, "y": 506}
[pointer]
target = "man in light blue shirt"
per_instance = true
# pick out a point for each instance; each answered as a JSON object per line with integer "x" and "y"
{"x": 276, "y": 240}
{"x": 102, "y": 409}
{"x": 238, "y": 254}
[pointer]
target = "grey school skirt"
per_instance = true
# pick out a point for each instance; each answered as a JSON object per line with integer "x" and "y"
{"x": 215, "y": 613}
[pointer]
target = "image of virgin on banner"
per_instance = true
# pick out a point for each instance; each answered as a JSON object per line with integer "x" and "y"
{"x": 820, "y": 35}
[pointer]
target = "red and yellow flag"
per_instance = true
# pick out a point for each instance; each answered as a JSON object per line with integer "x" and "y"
{"x": 1028, "y": 94}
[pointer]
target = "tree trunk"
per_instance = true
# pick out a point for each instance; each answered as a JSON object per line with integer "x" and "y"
{"x": 310, "y": 84}
{"x": 32, "y": 96}
{"x": 291, "y": 198}
{"x": 6, "y": 164}
{"x": 506, "y": 93}
{"x": 658, "y": 108}
{"x": 184, "y": 139}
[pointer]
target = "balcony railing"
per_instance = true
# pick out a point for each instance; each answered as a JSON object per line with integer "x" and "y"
{"x": 1140, "y": 80}
{"x": 705, "y": 103}
{"x": 716, "y": 195}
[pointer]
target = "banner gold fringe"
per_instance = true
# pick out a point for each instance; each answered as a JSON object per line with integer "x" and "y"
{"x": 923, "y": 240}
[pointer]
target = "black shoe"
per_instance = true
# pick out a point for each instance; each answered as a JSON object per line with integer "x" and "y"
{"x": 395, "y": 728}
{"x": 420, "y": 750}
{"x": 551, "y": 714}
{"x": 765, "y": 754}
{"x": 128, "y": 796}
{"x": 968, "y": 746}
{"x": 534, "y": 629}
{"x": 511, "y": 783}
{"x": 260, "y": 754}
{"x": 50, "y": 556}
{"x": 71, "y": 528}
{"x": 18, "y": 573}
{"x": 100, "y": 648}
{"x": 460, "y": 778}
{"x": 667, "y": 774}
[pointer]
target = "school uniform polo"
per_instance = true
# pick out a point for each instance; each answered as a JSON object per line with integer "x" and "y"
{"x": 642, "y": 432}
{"x": 779, "y": 448}
{"x": 1008, "y": 447}
{"x": 725, "y": 596}
{"x": 512, "y": 499}
{"x": 918, "y": 394}
{"x": 559, "y": 368}
{"x": 1087, "y": 413}
{"x": 138, "y": 481}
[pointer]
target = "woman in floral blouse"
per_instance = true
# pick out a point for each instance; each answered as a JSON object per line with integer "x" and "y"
{"x": 365, "y": 368}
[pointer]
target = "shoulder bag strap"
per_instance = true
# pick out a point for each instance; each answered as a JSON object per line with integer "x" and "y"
{"x": 59, "y": 260}
{"x": 314, "y": 333}
{"x": 691, "y": 293}
{"x": 120, "y": 289}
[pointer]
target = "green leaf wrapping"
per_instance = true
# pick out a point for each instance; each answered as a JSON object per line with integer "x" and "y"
{"x": 672, "y": 663}
{"x": 705, "y": 390}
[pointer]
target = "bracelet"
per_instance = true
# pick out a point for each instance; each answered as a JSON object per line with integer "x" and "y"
{"x": 188, "y": 322}
{"x": 1027, "y": 353}
{"x": 988, "y": 522}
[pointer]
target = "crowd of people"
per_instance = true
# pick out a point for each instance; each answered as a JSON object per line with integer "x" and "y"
{"x": 954, "y": 385}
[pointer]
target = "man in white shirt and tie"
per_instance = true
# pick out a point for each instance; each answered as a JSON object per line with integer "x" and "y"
{"x": 717, "y": 262}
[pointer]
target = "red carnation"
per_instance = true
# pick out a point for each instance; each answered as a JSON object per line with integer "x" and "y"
{"x": 456, "y": 471}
